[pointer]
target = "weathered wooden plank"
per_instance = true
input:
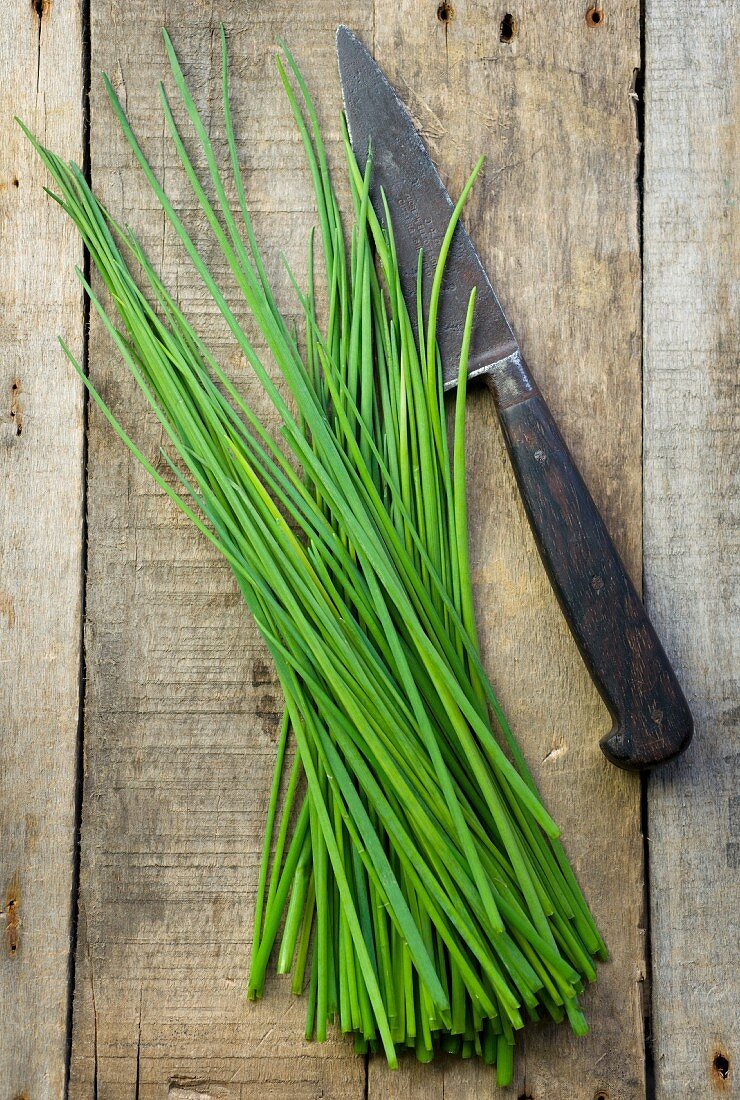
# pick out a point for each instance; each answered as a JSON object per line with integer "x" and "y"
{"x": 171, "y": 824}
{"x": 182, "y": 705}
{"x": 691, "y": 533}
{"x": 41, "y": 509}
{"x": 555, "y": 217}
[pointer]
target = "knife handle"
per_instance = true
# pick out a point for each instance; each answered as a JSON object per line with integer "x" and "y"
{"x": 652, "y": 721}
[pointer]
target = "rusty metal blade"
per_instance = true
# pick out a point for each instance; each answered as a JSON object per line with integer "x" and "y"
{"x": 420, "y": 210}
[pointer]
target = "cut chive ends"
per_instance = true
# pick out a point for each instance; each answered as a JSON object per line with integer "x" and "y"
{"x": 411, "y": 881}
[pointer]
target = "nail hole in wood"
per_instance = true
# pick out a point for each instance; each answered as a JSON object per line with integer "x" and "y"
{"x": 445, "y": 12}
{"x": 16, "y": 410}
{"x": 595, "y": 16}
{"x": 40, "y": 8}
{"x": 509, "y": 28}
{"x": 601, "y": 1095}
{"x": 12, "y": 918}
{"x": 721, "y": 1066}
{"x": 16, "y": 183}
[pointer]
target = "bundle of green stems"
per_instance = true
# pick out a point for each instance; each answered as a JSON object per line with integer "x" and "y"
{"x": 411, "y": 879}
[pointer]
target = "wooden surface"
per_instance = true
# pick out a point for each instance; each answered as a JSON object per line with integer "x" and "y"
{"x": 181, "y": 705}
{"x": 552, "y": 113}
{"x": 41, "y": 494}
{"x": 691, "y": 534}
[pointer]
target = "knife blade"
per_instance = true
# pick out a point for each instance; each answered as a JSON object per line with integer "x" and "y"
{"x": 400, "y": 166}
{"x": 652, "y": 722}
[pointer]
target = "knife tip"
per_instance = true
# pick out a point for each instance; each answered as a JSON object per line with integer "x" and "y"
{"x": 347, "y": 40}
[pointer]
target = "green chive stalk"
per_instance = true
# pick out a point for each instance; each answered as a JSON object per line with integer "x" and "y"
{"x": 412, "y": 882}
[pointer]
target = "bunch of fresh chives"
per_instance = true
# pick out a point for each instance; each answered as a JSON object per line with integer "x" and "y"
{"x": 414, "y": 881}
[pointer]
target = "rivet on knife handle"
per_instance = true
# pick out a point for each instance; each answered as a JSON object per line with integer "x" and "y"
{"x": 652, "y": 721}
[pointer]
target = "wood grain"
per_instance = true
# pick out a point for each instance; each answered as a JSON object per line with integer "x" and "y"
{"x": 555, "y": 218}
{"x": 182, "y": 704}
{"x": 41, "y": 510}
{"x": 691, "y": 534}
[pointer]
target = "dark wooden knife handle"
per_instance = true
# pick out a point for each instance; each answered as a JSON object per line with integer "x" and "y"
{"x": 652, "y": 721}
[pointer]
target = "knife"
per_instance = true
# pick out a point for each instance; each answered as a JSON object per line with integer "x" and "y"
{"x": 651, "y": 719}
